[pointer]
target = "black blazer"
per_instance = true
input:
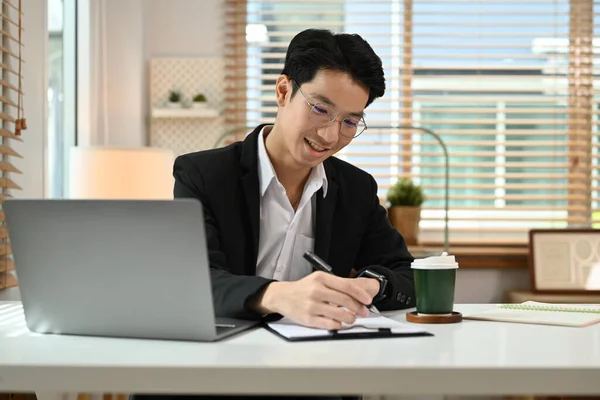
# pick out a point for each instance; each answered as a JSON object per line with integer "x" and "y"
{"x": 352, "y": 229}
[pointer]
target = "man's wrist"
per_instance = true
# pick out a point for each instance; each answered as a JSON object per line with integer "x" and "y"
{"x": 265, "y": 300}
{"x": 383, "y": 283}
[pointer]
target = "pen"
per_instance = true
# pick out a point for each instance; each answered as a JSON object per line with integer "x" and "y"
{"x": 317, "y": 262}
{"x": 321, "y": 265}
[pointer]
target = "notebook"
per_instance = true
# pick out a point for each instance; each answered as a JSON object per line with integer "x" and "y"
{"x": 531, "y": 312}
{"x": 373, "y": 326}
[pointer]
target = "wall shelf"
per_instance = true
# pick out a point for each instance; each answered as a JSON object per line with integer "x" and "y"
{"x": 184, "y": 113}
{"x": 186, "y": 129}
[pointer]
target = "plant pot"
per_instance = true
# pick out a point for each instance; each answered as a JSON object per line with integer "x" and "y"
{"x": 173, "y": 104}
{"x": 199, "y": 104}
{"x": 406, "y": 221}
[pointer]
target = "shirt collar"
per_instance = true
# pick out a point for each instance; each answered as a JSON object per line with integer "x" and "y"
{"x": 266, "y": 173}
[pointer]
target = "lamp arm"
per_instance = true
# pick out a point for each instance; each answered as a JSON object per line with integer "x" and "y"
{"x": 446, "y": 176}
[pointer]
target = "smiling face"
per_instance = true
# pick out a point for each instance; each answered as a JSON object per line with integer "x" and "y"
{"x": 300, "y": 142}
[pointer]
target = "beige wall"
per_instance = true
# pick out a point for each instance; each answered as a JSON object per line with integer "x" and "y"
{"x": 183, "y": 28}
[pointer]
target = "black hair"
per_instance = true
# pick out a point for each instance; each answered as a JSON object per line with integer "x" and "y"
{"x": 313, "y": 50}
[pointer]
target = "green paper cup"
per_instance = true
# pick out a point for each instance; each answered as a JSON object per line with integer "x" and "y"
{"x": 435, "y": 279}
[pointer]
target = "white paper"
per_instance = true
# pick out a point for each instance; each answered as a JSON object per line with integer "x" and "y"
{"x": 372, "y": 323}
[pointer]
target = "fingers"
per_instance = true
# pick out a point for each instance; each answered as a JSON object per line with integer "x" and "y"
{"x": 347, "y": 286}
{"x": 341, "y": 300}
{"x": 319, "y": 322}
{"x": 332, "y": 312}
{"x": 328, "y": 316}
{"x": 325, "y": 301}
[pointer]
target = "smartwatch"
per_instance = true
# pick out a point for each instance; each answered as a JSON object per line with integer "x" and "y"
{"x": 367, "y": 273}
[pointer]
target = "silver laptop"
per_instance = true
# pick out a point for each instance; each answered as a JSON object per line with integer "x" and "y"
{"x": 123, "y": 268}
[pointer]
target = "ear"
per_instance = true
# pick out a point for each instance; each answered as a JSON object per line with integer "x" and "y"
{"x": 283, "y": 90}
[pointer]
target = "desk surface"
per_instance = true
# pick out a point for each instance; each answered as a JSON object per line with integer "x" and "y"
{"x": 473, "y": 357}
{"x": 10, "y": 294}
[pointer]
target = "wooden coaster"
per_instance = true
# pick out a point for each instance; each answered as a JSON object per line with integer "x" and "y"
{"x": 434, "y": 319}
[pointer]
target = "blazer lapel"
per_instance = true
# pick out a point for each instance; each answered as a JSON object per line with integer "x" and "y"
{"x": 250, "y": 186}
{"x": 325, "y": 214}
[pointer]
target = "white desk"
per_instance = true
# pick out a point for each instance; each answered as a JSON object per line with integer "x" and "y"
{"x": 10, "y": 294}
{"x": 483, "y": 358}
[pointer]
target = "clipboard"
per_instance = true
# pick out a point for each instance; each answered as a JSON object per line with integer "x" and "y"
{"x": 374, "y": 327}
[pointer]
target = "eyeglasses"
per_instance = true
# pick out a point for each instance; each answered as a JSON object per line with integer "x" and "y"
{"x": 322, "y": 115}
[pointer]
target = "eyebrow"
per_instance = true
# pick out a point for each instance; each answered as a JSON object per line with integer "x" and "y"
{"x": 325, "y": 99}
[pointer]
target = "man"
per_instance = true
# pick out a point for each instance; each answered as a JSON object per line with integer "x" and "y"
{"x": 279, "y": 193}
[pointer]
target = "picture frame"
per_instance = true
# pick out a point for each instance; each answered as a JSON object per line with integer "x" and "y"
{"x": 565, "y": 261}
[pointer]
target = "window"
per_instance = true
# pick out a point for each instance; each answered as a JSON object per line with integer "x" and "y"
{"x": 12, "y": 121}
{"x": 508, "y": 85}
{"x": 61, "y": 92}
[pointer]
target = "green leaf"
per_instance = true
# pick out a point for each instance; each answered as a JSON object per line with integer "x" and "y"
{"x": 405, "y": 193}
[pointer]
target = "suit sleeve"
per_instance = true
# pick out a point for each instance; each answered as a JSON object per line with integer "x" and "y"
{"x": 230, "y": 292}
{"x": 383, "y": 250}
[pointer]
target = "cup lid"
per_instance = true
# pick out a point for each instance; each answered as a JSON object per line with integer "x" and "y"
{"x": 443, "y": 261}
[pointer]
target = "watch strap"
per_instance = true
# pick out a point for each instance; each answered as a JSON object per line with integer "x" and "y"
{"x": 383, "y": 282}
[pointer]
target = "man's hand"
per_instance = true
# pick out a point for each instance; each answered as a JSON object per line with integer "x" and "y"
{"x": 319, "y": 300}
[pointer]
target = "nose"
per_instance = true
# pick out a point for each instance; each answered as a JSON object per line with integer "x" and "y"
{"x": 330, "y": 132}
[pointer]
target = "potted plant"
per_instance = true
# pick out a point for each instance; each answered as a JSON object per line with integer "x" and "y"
{"x": 174, "y": 99}
{"x": 404, "y": 212}
{"x": 199, "y": 101}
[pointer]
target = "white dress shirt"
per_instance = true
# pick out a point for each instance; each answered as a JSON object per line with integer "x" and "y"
{"x": 285, "y": 235}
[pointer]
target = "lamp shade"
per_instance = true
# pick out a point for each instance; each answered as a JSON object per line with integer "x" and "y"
{"x": 141, "y": 173}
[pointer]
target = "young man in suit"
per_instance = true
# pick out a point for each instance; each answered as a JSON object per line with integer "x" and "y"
{"x": 269, "y": 199}
{"x": 279, "y": 193}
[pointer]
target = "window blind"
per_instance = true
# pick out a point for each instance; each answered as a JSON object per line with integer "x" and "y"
{"x": 510, "y": 87}
{"x": 594, "y": 98}
{"x": 12, "y": 121}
